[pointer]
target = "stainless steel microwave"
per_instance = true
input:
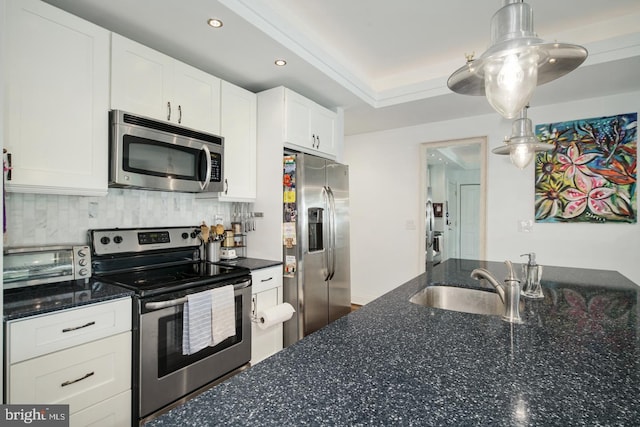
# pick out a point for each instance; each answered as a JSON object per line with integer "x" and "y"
{"x": 155, "y": 155}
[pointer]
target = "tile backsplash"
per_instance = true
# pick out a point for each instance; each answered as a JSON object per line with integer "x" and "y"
{"x": 40, "y": 219}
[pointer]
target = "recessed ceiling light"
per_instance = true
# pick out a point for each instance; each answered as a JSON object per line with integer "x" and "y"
{"x": 280, "y": 62}
{"x": 215, "y": 23}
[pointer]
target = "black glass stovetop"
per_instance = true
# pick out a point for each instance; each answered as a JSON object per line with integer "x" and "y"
{"x": 156, "y": 280}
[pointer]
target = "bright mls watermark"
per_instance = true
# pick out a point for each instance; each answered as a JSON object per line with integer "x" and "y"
{"x": 34, "y": 415}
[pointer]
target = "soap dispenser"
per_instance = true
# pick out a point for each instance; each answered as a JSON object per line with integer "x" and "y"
{"x": 532, "y": 273}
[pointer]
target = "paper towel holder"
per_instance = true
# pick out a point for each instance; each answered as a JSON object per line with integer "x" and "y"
{"x": 260, "y": 320}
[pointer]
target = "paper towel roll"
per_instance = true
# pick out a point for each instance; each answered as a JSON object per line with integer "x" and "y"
{"x": 274, "y": 315}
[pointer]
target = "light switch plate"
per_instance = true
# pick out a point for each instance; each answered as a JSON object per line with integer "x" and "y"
{"x": 525, "y": 225}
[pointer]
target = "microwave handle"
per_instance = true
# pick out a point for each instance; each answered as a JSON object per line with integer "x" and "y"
{"x": 207, "y": 176}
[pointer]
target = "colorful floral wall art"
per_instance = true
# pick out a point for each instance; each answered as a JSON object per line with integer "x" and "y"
{"x": 590, "y": 175}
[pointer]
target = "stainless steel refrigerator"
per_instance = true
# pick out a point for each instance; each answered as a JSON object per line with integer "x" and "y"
{"x": 315, "y": 243}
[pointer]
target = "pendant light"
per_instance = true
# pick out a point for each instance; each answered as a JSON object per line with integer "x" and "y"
{"x": 516, "y": 62}
{"x": 522, "y": 145}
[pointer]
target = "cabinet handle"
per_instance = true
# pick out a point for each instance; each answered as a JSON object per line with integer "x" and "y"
{"x": 266, "y": 280}
{"x": 78, "y": 327}
{"x": 66, "y": 383}
{"x": 318, "y": 139}
{"x": 169, "y": 110}
{"x": 313, "y": 144}
{"x": 226, "y": 186}
{"x": 179, "y": 113}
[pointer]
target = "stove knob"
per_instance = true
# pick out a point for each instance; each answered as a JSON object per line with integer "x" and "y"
{"x": 185, "y": 235}
{"x": 82, "y": 252}
{"x": 105, "y": 240}
{"x": 83, "y": 272}
{"x": 193, "y": 234}
{"x": 82, "y": 262}
{"x": 117, "y": 240}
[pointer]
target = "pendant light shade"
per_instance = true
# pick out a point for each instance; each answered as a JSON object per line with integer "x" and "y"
{"x": 522, "y": 145}
{"x": 516, "y": 62}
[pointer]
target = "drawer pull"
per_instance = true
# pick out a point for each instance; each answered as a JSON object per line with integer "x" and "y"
{"x": 266, "y": 280}
{"x": 66, "y": 383}
{"x": 78, "y": 327}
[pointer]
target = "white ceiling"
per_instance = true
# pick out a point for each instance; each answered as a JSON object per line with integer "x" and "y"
{"x": 386, "y": 63}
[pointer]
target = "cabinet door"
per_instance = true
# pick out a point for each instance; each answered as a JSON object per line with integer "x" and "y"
{"x": 323, "y": 124}
{"x": 56, "y": 107}
{"x": 238, "y": 126}
{"x": 267, "y": 288}
{"x": 141, "y": 80}
{"x": 196, "y": 96}
{"x": 265, "y": 342}
{"x": 297, "y": 120}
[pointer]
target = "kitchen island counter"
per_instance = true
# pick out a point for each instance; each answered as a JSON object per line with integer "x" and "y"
{"x": 574, "y": 360}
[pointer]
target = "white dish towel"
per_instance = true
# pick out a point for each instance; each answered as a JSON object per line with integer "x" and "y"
{"x": 196, "y": 322}
{"x": 223, "y": 314}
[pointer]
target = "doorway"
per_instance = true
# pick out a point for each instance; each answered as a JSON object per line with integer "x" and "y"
{"x": 454, "y": 181}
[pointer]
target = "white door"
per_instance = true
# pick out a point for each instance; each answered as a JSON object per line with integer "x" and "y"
{"x": 470, "y": 221}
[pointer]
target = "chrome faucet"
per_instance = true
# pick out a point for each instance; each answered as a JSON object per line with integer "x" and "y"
{"x": 509, "y": 291}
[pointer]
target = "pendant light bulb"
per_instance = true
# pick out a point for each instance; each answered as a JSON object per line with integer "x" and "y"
{"x": 509, "y": 82}
{"x": 521, "y": 155}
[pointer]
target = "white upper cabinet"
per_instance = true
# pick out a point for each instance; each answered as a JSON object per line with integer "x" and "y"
{"x": 309, "y": 127}
{"x": 56, "y": 100}
{"x": 152, "y": 84}
{"x": 238, "y": 127}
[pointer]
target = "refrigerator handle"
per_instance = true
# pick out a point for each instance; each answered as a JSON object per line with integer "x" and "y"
{"x": 332, "y": 232}
{"x": 327, "y": 248}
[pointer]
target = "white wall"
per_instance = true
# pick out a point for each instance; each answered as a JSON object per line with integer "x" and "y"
{"x": 384, "y": 174}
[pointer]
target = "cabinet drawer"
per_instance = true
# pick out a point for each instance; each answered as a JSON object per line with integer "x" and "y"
{"x": 113, "y": 412}
{"x": 80, "y": 376}
{"x": 44, "y": 334}
{"x": 266, "y": 278}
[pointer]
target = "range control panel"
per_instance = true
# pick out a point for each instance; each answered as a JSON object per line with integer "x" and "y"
{"x": 124, "y": 240}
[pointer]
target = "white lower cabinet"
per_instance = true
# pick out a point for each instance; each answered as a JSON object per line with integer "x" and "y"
{"x": 113, "y": 412}
{"x": 267, "y": 292}
{"x": 89, "y": 370}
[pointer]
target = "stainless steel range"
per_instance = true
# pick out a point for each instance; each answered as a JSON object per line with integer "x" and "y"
{"x": 163, "y": 267}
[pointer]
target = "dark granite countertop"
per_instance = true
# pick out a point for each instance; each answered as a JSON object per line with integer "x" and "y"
{"x": 575, "y": 361}
{"x": 33, "y": 300}
{"x": 250, "y": 263}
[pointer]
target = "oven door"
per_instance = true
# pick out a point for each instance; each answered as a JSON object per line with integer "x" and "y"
{"x": 165, "y": 374}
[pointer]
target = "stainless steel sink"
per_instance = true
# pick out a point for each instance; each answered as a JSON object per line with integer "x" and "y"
{"x": 459, "y": 299}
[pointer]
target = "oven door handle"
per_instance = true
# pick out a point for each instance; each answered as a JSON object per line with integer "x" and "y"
{"x": 157, "y": 305}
